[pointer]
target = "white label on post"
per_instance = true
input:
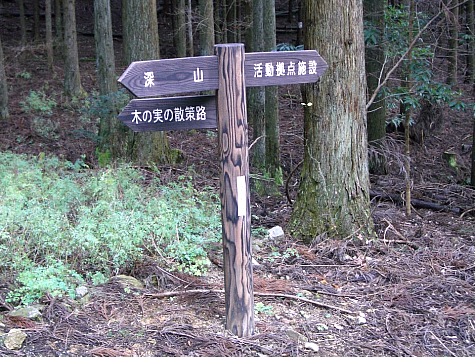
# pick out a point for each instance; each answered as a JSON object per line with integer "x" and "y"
{"x": 241, "y": 196}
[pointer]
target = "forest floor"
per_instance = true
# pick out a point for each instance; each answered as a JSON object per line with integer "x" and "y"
{"x": 409, "y": 292}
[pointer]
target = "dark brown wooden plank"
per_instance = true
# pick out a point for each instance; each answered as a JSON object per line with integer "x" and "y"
{"x": 193, "y": 74}
{"x": 170, "y": 76}
{"x": 235, "y": 202}
{"x": 176, "y": 113}
{"x": 283, "y": 67}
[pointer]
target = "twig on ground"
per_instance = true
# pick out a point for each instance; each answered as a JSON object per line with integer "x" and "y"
{"x": 443, "y": 345}
{"x": 219, "y": 291}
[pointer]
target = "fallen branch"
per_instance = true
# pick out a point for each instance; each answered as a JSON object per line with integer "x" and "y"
{"x": 219, "y": 291}
{"x": 393, "y": 197}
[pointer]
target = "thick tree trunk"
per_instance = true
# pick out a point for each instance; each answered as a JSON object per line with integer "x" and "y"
{"x": 110, "y": 129}
{"x": 206, "y": 28}
{"x": 21, "y": 7}
{"x": 179, "y": 20}
{"x": 272, "y": 102}
{"x": 374, "y": 59}
{"x": 4, "y": 113}
{"x": 140, "y": 31}
{"x": 49, "y": 34}
{"x": 104, "y": 47}
{"x": 72, "y": 76}
{"x": 256, "y": 104}
{"x": 333, "y": 195}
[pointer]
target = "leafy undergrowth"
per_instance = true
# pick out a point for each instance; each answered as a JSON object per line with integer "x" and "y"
{"x": 62, "y": 225}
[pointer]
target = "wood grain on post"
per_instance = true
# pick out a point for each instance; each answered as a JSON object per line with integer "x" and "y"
{"x": 235, "y": 203}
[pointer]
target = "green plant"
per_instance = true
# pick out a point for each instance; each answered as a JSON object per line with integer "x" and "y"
{"x": 24, "y": 74}
{"x": 260, "y": 308}
{"x": 95, "y": 223}
{"x": 421, "y": 77}
{"x": 46, "y": 127}
{"x": 55, "y": 279}
{"x": 287, "y": 47}
{"x": 38, "y": 101}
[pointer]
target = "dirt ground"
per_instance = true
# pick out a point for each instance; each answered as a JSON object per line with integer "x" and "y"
{"x": 410, "y": 292}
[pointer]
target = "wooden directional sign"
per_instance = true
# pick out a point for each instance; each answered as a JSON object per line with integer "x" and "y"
{"x": 230, "y": 72}
{"x": 284, "y": 67}
{"x": 170, "y": 76}
{"x": 175, "y": 113}
{"x": 194, "y": 74}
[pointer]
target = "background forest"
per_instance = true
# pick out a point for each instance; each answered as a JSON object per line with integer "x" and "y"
{"x": 110, "y": 241}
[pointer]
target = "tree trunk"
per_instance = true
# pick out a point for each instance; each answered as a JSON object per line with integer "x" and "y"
{"x": 453, "y": 44}
{"x": 110, "y": 129}
{"x": 72, "y": 76}
{"x": 140, "y": 28}
{"x": 471, "y": 43}
{"x": 231, "y": 21}
{"x": 189, "y": 24}
{"x": 256, "y": 104}
{"x": 224, "y": 20}
{"x": 21, "y": 7}
{"x": 49, "y": 34}
{"x": 4, "y": 114}
{"x": 58, "y": 22}
{"x": 472, "y": 177}
{"x": 272, "y": 103}
{"x": 408, "y": 110}
{"x": 374, "y": 60}
{"x": 333, "y": 196}
{"x": 36, "y": 20}
{"x": 179, "y": 34}
{"x": 299, "y": 23}
{"x": 206, "y": 28}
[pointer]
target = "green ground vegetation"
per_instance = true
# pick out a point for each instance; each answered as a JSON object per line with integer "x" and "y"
{"x": 62, "y": 224}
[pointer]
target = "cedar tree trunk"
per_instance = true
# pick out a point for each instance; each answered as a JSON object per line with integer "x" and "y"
{"x": 333, "y": 196}
{"x": 140, "y": 28}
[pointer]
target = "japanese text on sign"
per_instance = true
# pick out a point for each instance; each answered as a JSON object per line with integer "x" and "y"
{"x": 176, "y": 114}
{"x": 279, "y": 69}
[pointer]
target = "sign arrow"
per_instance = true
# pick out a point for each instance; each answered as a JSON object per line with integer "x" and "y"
{"x": 171, "y": 76}
{"x": 283, "y": 67}
{"x": 194, "y": 74}
{"x": 175, "y": 113}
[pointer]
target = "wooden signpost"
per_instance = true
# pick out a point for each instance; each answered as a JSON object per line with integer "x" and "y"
{"x": 229, "y": 71}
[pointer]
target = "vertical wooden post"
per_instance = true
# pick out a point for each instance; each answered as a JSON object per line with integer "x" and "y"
{"x": 235, "y": 202}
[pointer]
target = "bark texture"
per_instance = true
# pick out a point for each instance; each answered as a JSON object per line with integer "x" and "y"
{"x": 179, "y": 21}
{"x": 72, "y": 76}
{"x": 453, "y": 44}
{"x": 21, "y": 7}
{"x": 49, "y": 34}
{"x": 333, "y": 195}
{"x": 58, "y": 20}
{"x": 110, "y": 129}
{"x": 4, "y": 113}
{"x": 104, "y": 47}
{"x": 471, "y": 44}
{"x": 272, "y": 102}
{"x": 256, "y": 105}
{"x": 140, "y": 31}
{"x": 206, "y": 28}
